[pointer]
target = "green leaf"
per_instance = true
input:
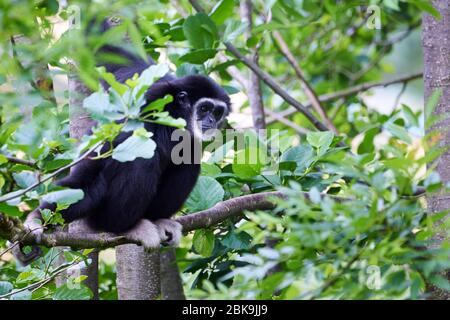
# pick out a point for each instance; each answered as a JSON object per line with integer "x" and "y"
{"x": 66, "y": 293}
{"x": 5, "y": 287}
{"x": 25, "y": 179}
{"x": 198, "y": 56}
{"x": 207, "y": 192}
{"x": 153, "y": 73}
{"x": 136, "y": 146}
{"x": 222, "y": 11}
{"x": 302, "y": 155}
{"x": 246, "y": 171}
{"x": 99, "y": 106}
{"x": 320, "y": 140}
{"x": 200, "y": 31}
{"x": 237, "y": 240}
{"x": 136, "y": 39}
{"x": 410, "y": 116}
{"x": 367, "y": 145}
{"x": 220, "y": 153}
{"x": 211, "y": 170}
{"x": 432, "y": 103}
{"x": 425, "y": 5}
{"x": 64, "y": 197}
{"x": 158, "y": 105}
{"x": 399, "y": 132}
{"x": 249, "y": 162}
{"x": 22, "y": 295}
{"x": 111, "y": 80}
{"x": 203, "y": 242}
{"x": 32, "y": 274}
{"x": 10, "y": 210}
{"x": 234, "y": 29}
{"x": 3, "y": 159}
{"x": 179, "y": 123}
{"x": 392, "y": 4}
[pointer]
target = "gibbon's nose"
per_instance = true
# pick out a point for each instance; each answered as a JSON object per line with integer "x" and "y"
{"x": 210, "y": 120}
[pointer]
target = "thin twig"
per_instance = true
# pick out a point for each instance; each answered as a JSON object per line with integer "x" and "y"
{"x": 42, "y": 282}
{"x": 16, "y": 194}
{"x": 399, "y": 96}
{"x": 264, "y": 76}
{"x": 41, "y": 82}
{"x": 356, "y": 89}
{"x": 309, "y": 91}
{"x": 29, "y": 163}
{"x": 287, "y": 122}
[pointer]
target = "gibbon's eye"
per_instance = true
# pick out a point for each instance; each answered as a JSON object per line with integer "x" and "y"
{"x": 218, "y": 112}
{"x": 206, "y": 107}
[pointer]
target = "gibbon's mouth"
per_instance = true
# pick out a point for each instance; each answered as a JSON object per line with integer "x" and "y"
{"x": 208, "y": 133}
{"x": 204, "y": 128}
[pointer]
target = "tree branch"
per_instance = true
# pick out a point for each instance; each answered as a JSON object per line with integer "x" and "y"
{"x": 12, "y": 229}
{"x": 274, "y": 115}
{"x": 264, "y": 76}
{"x": 16, "y": 194}
{"x": 354, "y": 90}
{"x": 310, "y": 93}
{"x": 29, "y": 163}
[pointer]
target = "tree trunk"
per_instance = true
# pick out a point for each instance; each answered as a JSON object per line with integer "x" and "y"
{"x": 254, "y": 92}
{"x": 436, "y": 48}
{"x": 80, "y": 124}
{"x": 171, "y": 284}
{"x": 138, "y": 273}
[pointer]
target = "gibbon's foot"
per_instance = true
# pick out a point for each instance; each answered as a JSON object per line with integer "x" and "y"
{"x": 82, "y": 226}
{"x": 169, "y": 231}
{"x": 146, "y": 233}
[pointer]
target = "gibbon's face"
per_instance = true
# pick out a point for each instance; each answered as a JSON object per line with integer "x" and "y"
{"x": 210, "y": 113}
{"x": 208, "y": 103}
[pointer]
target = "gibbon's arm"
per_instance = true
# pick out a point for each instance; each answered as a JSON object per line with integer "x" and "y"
{"x": 79, "y": 178}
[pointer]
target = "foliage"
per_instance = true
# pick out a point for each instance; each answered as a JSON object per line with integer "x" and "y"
{"x": 352, "y": 226}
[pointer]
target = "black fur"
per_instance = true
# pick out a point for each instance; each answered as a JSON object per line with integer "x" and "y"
{"x": 119, "y": 194}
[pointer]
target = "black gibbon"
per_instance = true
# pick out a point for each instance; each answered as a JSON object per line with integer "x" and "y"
{"x": 137, "y": 198}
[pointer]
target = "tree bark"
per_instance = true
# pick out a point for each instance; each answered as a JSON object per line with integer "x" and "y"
{"x": 171, "y": 283}
{"x": 138, "y": 273}
{"x": 80, "y": 124}
{"x": 12, "y": 228}
{"x": 254, "y": 92}
{"x": 436, "y": 49}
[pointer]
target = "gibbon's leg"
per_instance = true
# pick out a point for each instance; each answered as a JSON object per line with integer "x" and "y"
{"x": 169, "y": 231}
{"x": 146, "y": 233}
{"x": 166, "y": 203}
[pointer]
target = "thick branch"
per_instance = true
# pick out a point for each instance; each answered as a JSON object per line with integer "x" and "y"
{"x": 12, "y": 228}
